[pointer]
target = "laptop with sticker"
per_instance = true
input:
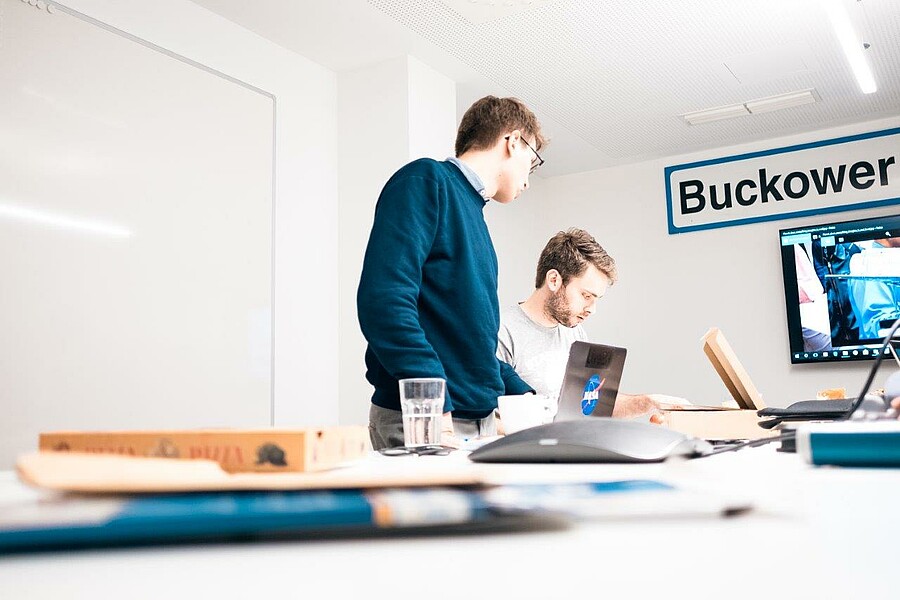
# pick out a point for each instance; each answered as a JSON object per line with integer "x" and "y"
{"x": 591, "y": 382}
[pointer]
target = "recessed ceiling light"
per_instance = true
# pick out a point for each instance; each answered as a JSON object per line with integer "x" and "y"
{"x": 715, "y": 114}
{"x": 752, "y": 107}
{"x": 780, "y": 101}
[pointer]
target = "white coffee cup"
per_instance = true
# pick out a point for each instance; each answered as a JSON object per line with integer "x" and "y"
{"x": 521, "y": 412}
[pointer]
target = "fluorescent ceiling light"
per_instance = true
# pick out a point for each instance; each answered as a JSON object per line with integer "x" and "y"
{"x": 780, "y": 101}
{"x": 853, "y": 48}
{"x": 715, "y": 114}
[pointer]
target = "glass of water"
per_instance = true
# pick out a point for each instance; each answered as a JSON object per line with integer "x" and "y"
{"x": 422, "y": 403}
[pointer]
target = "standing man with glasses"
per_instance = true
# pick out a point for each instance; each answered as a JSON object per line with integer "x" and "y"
{"x": 427, "y": 298}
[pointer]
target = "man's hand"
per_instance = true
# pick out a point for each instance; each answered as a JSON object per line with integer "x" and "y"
{"x": 448, "y": 436}
{"x": 666, "y": 402}
{"x": 629, "y": 406}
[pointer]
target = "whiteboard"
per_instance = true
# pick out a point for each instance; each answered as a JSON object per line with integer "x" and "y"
{"x": 136, "y": 261}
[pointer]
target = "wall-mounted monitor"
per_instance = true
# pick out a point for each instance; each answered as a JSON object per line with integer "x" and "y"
{"x": 841, "y": 287}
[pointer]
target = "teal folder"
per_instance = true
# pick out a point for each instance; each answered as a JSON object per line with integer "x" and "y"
{"x": 850, "y": 443}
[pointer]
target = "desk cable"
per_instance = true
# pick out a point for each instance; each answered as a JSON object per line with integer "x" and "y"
{"x": 786, "y": 435}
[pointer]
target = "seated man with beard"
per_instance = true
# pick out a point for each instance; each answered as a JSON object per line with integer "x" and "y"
{"x": 573, "y": 272}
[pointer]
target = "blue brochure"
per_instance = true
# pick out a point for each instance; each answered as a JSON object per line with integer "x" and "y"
{"x": 35, "y": 520}
{"x": 64, "y": 521}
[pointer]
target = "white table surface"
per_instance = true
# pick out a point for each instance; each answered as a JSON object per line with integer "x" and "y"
{"x": 814, "y": 533}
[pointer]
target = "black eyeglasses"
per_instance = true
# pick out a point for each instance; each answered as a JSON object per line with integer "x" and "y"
{"x": 429, "y": 450}
{"x": 538, "y": 161}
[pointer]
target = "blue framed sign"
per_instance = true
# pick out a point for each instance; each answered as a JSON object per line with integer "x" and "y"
{"x": 847, "y": 173}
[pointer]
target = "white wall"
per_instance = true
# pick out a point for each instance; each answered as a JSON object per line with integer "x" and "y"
{"x": 306, "y": 290}
{"x": 672, "y": 288}
{"x": 432, "y": 112}
{"x": 373, "y": 121}
{"x": 389, "y": 114}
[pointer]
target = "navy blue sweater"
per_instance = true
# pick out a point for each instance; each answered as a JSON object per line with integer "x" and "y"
{"x": 427, "y": 298}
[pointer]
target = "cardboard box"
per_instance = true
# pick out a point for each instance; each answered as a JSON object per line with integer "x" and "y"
{"x": 236, "y": 450}
{"x": 721, "y": 422}
{"x": 713, "y": 424}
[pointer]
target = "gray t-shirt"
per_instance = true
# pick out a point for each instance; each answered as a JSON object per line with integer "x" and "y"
{"x": 537, "y": 353}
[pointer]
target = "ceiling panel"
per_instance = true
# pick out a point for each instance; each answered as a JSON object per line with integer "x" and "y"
{"x": 610, "y": 77}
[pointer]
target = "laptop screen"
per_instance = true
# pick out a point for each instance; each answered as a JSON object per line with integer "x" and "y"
{"x": 591, "y": 382}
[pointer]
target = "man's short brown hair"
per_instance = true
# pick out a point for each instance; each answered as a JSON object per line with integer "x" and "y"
{"x": 570, "y": 252}
{"x": 492, "y": 117}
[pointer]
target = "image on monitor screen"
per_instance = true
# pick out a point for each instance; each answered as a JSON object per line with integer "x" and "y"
{"x": 841, "y": 287}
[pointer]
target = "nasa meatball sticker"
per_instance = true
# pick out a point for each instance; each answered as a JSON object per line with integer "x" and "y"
{"x": 847, "y": 173}
{"x": 591, "y": 394}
